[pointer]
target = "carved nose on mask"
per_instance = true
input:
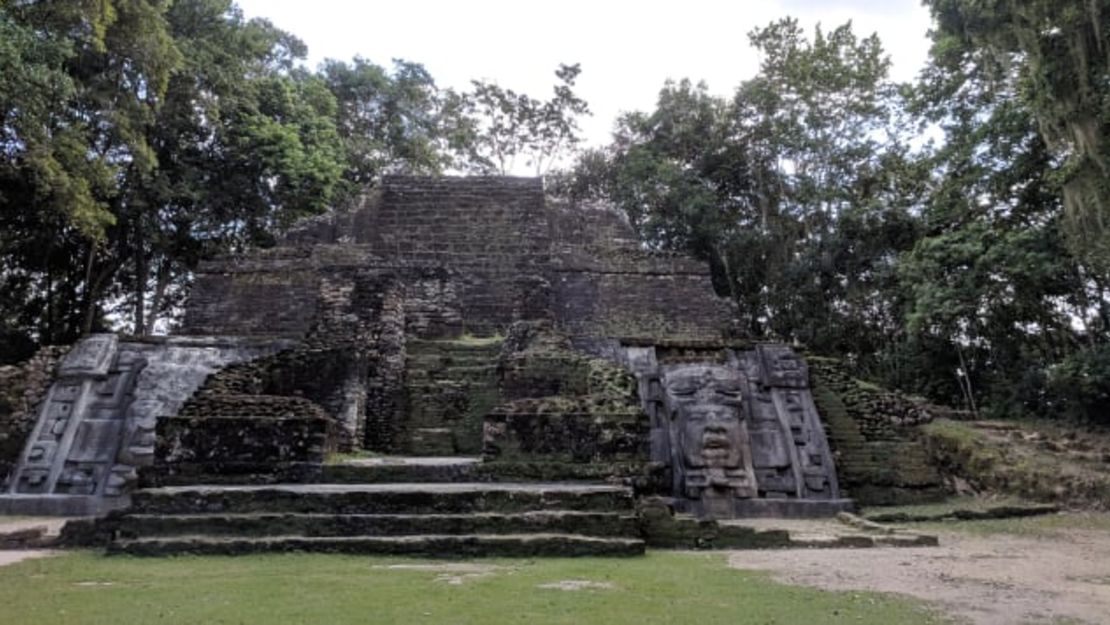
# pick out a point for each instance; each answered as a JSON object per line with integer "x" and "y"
{"x": 714, "y": 416}
{"x": 715, "y": 424}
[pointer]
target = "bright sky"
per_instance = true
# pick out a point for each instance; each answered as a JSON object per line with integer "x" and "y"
{"x": 627, "y": 49}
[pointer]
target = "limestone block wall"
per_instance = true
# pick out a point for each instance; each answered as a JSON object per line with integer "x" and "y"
{"x": 22, "y": 388}
{"x": 253, "y": 438}
{"x": 564, "y": 407}
{"x": 880, "y": 456}
{"x": 604, "y": 283}
{"x": 492, "y": 231}
{"x": 273, "y": 293}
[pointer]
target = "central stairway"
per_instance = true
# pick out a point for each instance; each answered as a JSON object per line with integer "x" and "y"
{"x": 406, "y": 517}
{"x": 440, "y": 500}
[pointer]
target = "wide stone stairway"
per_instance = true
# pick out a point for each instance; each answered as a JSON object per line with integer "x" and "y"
{"x": 415, "y": 518}
{"x": 450, "y": 385}
{"x": 435, "y": 502}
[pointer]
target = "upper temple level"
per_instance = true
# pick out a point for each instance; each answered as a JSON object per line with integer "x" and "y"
{"x": 460, "y": 255}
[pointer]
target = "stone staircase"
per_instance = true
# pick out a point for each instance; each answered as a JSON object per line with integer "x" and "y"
{"x": 442, "y": 500}
{"x": 445, "y": 519}
{"x": 449, "y": 386}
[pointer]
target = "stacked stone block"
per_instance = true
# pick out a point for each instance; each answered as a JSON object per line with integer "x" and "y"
{"x": 880, "y": 457}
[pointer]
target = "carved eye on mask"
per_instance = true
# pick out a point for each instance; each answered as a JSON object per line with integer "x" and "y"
{"x": 683, "y": 391}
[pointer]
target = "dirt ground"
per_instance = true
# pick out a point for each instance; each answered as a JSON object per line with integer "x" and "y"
{"x": 983, "y": 579}
{"x": 12, "y": 557}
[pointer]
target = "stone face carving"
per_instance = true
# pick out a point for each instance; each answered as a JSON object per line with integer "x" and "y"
{"x": 740, "y": 438}
{"x": 711, "y": 452}
{"x": 97, "y": 423}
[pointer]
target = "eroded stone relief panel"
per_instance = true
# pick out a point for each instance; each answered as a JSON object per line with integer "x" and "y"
{"x": 710, "y": 444}
{"x": 739, "y": 431}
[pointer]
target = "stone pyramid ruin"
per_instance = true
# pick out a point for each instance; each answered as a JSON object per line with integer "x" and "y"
{"x": 451, "y": 365}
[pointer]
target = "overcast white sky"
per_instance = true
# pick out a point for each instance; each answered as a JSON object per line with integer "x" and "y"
{"x": 627, "y": 49}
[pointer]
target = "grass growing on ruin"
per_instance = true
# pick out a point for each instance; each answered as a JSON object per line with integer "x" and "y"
{"x": 949, "y": 505}
{"x": 1050, "y": 525}
{"x": 86, "y": 588}
{"x": 470, "y": 340}
{"x": 344, "y": 457}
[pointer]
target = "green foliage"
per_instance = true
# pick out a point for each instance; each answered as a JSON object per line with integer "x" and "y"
{"x": 391, "y": 122}
{"x": 137, "y": 138}
{"x": 1054, "y": 54}
{"x": 1079, "y": 385}
{"x": 797, "y": 191}
{"x": 994, "y": 277}
{"x": 494, "y": 126}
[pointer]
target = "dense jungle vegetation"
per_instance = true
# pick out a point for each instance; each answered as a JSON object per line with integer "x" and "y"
{"x": 948, "y": 237}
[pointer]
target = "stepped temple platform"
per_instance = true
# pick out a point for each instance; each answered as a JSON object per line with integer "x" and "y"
{"x": 453, "y": 366}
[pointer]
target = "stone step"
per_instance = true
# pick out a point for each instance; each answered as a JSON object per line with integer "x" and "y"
{"x": 454, "y": 373}
{"x": 135, "y": 526}
{"x": 414, "y": 498}
{"x": 463, "y": 469}
{"x": 384, "y": 469}
{"x": 431, "y": 441}
{"x": 436, "y": 359}
{"x": 438, "y": 545}
{"x": 422, "y": 347}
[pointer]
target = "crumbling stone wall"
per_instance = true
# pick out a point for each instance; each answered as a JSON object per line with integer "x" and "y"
{"x": 563, "y": 406}
{"x": 271, "y": 293}
{"x": 22, "y": 388}
{"x": 384, "y": 407}
{"x": 491, "y": 230}
{"x": 605, "y": 284}
{"x": 880, "y": 456}
{"x": 242, "y": 438}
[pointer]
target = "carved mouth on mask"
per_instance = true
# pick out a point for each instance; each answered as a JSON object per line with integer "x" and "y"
{"x": 716, "y": 442}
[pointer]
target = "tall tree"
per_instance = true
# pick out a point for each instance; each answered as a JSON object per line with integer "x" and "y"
{"x": 138, "y": 137}
{"x": 245, "y": 144}
{"x": 82, "y": 81}
{"x": 495, "y": 126}
{"x": 797, "y": 190}
{"x": 390, "y": 121}
{"x": 1059, "y": 51}
{"x": 993, "y": 290}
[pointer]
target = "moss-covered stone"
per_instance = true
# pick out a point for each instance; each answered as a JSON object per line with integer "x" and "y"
{"x": 874, "y": 437}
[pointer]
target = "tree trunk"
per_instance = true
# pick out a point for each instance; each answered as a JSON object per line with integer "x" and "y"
{"x": 160, "y": 286}
{"x": 140, "y": 280}
{"x": 90, "y": 293}
{"x": 965, "y": 384}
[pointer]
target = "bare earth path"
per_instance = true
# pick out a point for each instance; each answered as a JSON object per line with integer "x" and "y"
{"x": 987, "y": 580}
{"x": 15, "y": 524}
{"x": 12, "y": 557}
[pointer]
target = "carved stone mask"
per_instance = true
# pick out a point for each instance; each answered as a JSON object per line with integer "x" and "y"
{"x": 705, "y": 403}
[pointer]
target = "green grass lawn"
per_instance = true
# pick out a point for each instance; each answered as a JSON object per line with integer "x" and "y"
{"x": 283, "y": 589}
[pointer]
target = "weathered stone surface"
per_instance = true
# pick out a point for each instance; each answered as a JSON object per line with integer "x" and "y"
{"x": 91, "y": 357}
{"x": 383, "y": 498}
{"x": 244, "y": 436}
{"x": 96, "y": 424}
{"x": 589, "y": 523}
{"x": 440, "y": 317}
{"x": 22, "y": 389}
{"x": 880, "y": 457}
{"x": 447, "y": 546}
